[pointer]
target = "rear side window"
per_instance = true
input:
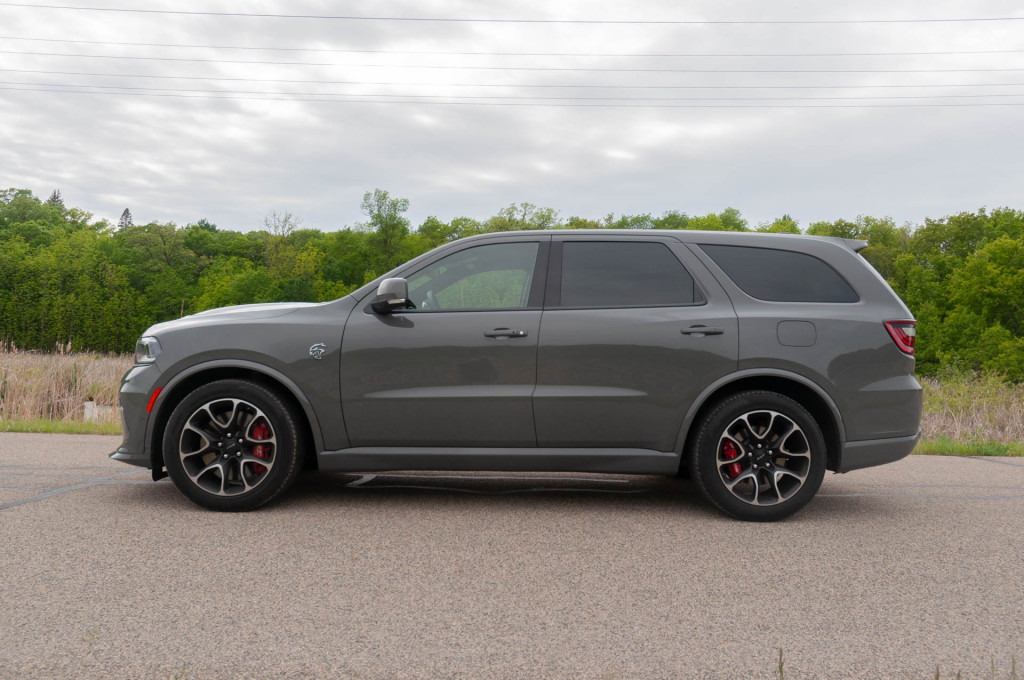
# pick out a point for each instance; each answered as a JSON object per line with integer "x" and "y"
{"x": 781, "y": 275}
{"x": 622, "y": 274}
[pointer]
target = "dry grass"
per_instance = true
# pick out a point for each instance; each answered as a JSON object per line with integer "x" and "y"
{"x": 969, "y": 408}
{"x": 54, "y": 387}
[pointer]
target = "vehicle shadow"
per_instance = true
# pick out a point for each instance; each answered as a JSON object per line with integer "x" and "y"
{"x": 581, "y": 492}
{"x": 519, "y": 491}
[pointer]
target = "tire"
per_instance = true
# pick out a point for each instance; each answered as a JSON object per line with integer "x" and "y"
{"x": 233, "y": 445}
{"x": 758, "y": 456}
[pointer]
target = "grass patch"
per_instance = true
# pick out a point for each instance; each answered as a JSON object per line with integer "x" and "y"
{"x": 59, "y": 426}
{"x": 944, "y": 446}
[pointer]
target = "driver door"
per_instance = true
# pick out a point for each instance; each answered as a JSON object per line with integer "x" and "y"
{"x": 458, "y": 370}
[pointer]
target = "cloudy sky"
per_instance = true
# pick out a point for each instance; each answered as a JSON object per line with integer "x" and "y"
{"x": 231, "y": 117}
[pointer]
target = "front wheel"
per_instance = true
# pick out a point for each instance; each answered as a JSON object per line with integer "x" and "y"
{"x": 232, "y": 445}
{"x": 758, "y": 456}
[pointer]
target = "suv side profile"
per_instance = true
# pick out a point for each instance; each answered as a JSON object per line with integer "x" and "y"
{"x": 754, "y": 362}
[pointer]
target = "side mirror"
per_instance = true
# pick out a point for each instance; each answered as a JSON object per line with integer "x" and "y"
{"x": 392, "y": 294}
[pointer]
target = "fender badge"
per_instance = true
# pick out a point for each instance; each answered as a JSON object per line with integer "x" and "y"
{"x": 317, "y": 350}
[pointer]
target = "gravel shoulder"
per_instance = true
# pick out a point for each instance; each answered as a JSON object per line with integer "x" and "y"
{"x": 888, "y": 573}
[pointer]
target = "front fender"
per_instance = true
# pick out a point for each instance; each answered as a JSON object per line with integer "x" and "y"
{"x": 168, "y": 398}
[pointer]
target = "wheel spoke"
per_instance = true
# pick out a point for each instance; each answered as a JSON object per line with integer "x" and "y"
{"x": 773, "y": 480}
{"x": 786, "y": 472}
{"x": 253, "y": 460}
{"x": 204, "y": 448}
{"x": 783, "y": 420}
{"x": 249, "y": 439}
{"x": 783, "y": 442}
{"x": 232, "y": 422}
{"x": 212, "y": 419}
{"x": 216, "y": 465}
{"x": 751, "y": 430}
{"x": 749, "y": 474}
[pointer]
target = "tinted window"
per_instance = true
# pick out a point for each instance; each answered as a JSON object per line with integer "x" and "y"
{"x": 621, "y": 274}
{"x": 496, "y": 276}
{"x": 781, "y": 275}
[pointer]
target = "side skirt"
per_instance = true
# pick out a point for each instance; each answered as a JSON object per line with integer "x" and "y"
{"x": 382, "y": 458}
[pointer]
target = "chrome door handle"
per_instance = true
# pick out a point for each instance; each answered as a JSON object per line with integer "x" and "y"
{"x": 505, "y": 333}
{"x": 701, "y": 331}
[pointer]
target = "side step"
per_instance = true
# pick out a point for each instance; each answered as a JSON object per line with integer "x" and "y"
{"x": 383, "y": 458}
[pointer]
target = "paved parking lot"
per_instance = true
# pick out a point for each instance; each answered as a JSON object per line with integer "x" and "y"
{"x": 888, "y": 573}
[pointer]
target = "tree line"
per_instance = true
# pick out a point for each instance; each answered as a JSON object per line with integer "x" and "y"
{"x": 70, "y": 280}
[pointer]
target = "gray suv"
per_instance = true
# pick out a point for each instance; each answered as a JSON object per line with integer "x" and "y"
{"x": 751, "y": 362}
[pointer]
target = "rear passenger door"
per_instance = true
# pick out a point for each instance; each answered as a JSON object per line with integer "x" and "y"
{"x": 628, "y": 339}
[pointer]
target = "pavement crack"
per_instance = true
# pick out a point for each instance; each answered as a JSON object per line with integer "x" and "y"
{"x": 95, "y": 481}
{"x": 988, "y": 459}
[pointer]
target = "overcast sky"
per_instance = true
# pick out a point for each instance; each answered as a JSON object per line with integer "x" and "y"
{"x": 168, "y": 131}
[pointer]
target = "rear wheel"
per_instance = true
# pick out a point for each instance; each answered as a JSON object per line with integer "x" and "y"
{"x": 232, "y": 445}
{"x": 758, "y": 456}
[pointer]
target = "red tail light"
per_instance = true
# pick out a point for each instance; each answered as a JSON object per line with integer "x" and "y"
{"x": 903, "y": 333}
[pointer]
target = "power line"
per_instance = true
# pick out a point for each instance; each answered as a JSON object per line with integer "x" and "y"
{"x": 524, "y": 104}
{"x": 516, "y": 54}
{"x": 506, "y": 97}
{"x": 188, "y": 59}
{"x": 504, "y": 85}
{"x": 478, "y": 20}
{"x": 475, "y": 67}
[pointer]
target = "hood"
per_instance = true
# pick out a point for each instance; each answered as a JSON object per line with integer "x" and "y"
{"x": 265, "y": 310}
{"x": 236, "y": 312}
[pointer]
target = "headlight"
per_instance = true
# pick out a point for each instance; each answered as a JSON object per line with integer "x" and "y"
{"x": 147, "y": 349}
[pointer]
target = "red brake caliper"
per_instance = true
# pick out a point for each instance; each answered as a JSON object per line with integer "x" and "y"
{"x": 729, "y": 451}
{"x": 261, "y": 431}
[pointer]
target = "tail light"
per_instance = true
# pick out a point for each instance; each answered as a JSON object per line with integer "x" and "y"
{"x": 903, "y": 333}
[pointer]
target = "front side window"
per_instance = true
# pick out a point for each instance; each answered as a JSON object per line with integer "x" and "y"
{"x": 781, "y": 275}
{"x": 496, "y": 276}
{"x": 624, "y": 274}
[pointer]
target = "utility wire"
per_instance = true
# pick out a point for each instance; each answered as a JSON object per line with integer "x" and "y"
{"x": 522, "y": 104}
{"x": 474, "y": 67}
{"x": 478, "y": 20}
{"x": 514, "y": 54}
{"x": 504, "y": 85}
{"x": 509, "y": 97}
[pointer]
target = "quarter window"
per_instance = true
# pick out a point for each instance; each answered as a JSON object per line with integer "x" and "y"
{"x": 781, "y": 275}
{"x": 623, "y": 274}
{"x": 496, "y": 276}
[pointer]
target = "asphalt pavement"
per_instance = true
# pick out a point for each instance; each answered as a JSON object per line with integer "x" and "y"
{"x": 889, "y": 573}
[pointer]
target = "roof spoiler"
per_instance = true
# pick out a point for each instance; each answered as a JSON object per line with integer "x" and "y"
{"x": 854, "y": 244}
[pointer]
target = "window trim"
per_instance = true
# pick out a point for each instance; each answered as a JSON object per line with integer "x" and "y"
{"x": 553, "y": 295}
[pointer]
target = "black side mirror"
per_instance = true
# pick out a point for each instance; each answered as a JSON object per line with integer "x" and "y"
{"x": 392, "y": 294}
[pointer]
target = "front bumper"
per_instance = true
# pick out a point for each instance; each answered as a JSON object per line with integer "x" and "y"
{"x": 871, "y": 452}
{"x": 136, "y": 387}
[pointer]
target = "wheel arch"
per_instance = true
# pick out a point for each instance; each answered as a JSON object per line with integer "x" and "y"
{"x": 186, "y": 381}
{"x": 802, "y": 390}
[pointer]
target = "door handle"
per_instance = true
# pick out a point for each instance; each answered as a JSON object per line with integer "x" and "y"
{"x": 701, "y": 331}
{"x": 505, "y": 333}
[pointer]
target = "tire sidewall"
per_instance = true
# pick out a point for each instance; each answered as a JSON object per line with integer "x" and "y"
{"x": 703, "y": 456}
{"x": 288, "y": 455}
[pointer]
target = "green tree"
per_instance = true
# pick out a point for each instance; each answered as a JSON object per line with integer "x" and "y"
{"x": 388, "y": 227}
